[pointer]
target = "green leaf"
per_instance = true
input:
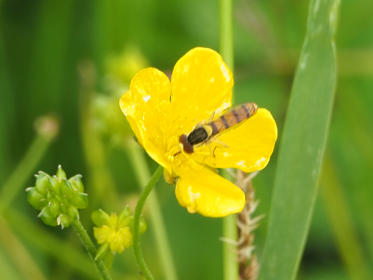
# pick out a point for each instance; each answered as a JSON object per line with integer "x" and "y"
{"x": 302, "y": 145}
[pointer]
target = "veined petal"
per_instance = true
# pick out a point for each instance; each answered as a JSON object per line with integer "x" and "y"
{"x": 205, "y": 192}
{"x": 146, "y": 107}
{"x": 201, "y": 85}
{"x": 247, "y": 146}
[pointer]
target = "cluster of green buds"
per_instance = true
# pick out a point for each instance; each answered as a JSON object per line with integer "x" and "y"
{"x": 121, "y": 67}
{"x": 114, "y": 232}
{"x": 57, "y": 197}
{"x": 107, "y": 118}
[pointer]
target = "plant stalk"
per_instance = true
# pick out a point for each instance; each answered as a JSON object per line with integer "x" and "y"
{"x": 138, "y": 161}
{"x": 136, "y": 224}
{"x": 91, "y": 249}
{"x": 230, "y": 265}
{"x": 16, "y": 181}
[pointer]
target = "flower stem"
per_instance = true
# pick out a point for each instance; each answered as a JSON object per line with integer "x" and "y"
{"x": 230, "y": 265}
{"x": 226, "y": 32}
{"x": 136, "y": 237}
{"x": 91, "y": 249}
{"x": 26, "y": 166}
{"x": 138, "y": 160}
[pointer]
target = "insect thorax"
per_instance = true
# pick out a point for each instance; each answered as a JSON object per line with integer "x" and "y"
{"x": 197, "y": 136}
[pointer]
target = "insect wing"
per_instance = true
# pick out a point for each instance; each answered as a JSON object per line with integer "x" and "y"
{"x": 247, "y": 146}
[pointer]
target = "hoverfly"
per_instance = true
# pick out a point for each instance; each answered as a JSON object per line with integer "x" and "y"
{"x": 203, "y": 133}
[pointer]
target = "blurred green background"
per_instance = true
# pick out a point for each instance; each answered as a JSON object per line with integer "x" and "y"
{"x": 55, "y": 59}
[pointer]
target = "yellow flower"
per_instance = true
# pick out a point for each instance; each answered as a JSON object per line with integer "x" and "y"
{"x": 160, "y": 111}
{"x": 115, "y": 233}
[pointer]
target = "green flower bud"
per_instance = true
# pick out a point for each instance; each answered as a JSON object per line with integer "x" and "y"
{"x": 57, "y": 197}
{"x": 47, "y": 217}
{"x": 76, "y": 183}
{"x": 73, "y": 212}
{"x": 54, "y": 207}
{"x": 100, "y": 217}
{"x": 35, "y": 198}
{"x": 80, "y": 200}
{"x": 64, "y": 220}
{"x": 61, "y": 174}
{"x": 65, "y": 189}
{"x": 42, "y": 182}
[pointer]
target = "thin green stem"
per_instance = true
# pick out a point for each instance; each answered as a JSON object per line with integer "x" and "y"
{"x": 138, "y": 160}
{"x": 230, "y": 265}
{"x": 136, "y": 224}
{"x": 91, "y": 249}
{"x": 18, "y": 178}
{"x": 226, "y": 32}
{"x": 47, "y": 130}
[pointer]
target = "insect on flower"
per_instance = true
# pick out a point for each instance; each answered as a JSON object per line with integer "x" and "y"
{"x": 172, "y": 121}
{"x": 204, "y": 133}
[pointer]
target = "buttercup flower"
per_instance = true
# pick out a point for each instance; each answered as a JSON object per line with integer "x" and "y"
{"x": 160, "y": 111}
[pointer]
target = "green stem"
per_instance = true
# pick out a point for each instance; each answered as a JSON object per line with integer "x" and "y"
{"x": 136, "y": 236}
{"x": 230, "y": 265}
{"x": 226, "y": 32}
{"x": 91, "y": 249}
{"x": 18, "y": 178}
{"x": 138, "y": 160}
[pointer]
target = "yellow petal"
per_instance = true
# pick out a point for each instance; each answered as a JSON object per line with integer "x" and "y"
{"x": 146, "y": 106}
{"x": 247, "y": 146}
{"x": 201, "y": 84}
{"x": 205, "y": 192}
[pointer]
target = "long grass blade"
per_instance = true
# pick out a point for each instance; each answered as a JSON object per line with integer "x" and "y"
{"x": 302, "y": 145}
{"x": 342, "y": 223}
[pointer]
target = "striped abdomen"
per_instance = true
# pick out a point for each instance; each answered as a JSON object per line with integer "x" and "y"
{"x": 233, "y": 117}
{"x": 204, "y": 132}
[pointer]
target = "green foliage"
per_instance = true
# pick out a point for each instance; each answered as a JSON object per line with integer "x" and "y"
{"x": 302, "y": 145}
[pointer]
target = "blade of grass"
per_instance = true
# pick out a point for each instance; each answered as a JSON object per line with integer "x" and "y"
{"x": 342, "y": 224}
{"x": 7, "y": 270}
{"x": 19, "y": 255}
{"x": 303, "y": 145}
{"x": 357, "y": 119}
{"x": 6, "y": 109}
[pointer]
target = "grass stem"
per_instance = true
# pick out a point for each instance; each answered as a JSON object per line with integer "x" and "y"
{"x": 230, "y": 265}
{"x": 91, "y": 249}
{"x": 26, "y": 166}
{"x": 136, "y": 237}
